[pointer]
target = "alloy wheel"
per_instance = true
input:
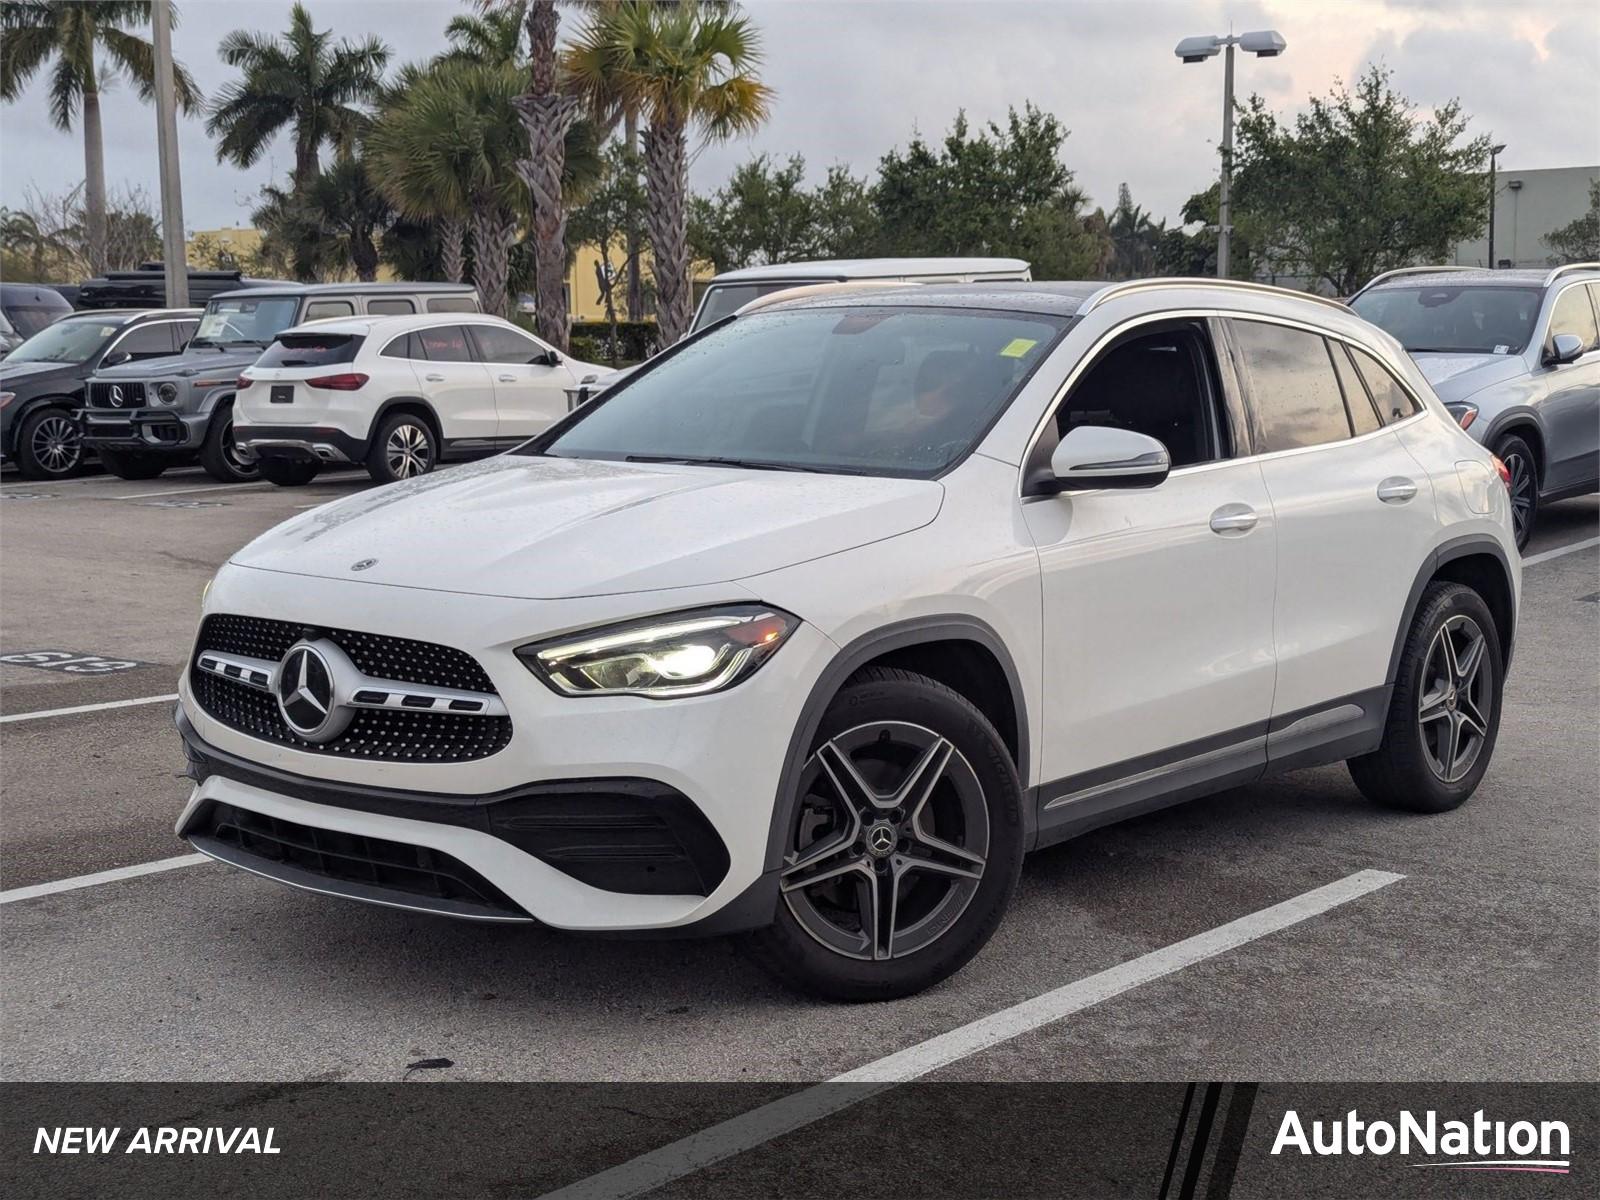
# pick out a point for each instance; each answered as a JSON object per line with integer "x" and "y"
{"x": 890, "y": 841}
{"x": 409, "y": 451}
{"x": 230, "y": 452}
{"x": 56, "y": 444}
{"x": 1453, "y": 713}
{"x": 1523, "y": 497}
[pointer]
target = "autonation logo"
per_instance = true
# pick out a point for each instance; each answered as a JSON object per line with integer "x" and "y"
{"x": 1476, "y": 1145}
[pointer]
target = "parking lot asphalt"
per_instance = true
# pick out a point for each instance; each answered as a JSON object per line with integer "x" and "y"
{"x": 1478, "y": 964}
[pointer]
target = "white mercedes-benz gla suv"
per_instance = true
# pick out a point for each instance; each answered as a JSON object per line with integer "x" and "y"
{"x": 814, "y": 626}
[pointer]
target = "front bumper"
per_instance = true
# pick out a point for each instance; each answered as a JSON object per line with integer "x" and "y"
{"x": 568, "y": 820}
{"x": 148, "y": 430}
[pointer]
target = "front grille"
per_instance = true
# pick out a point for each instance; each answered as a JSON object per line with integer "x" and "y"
{"x": 390, "y": 735}
{"x": 100, "y": 395}
{"x": 110, "y": 429}
{"x": 353, "y": 858}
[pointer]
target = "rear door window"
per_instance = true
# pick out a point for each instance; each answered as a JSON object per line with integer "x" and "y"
{"x": 1293, "y": 388}
{"x": 1394, "y": 403}
{"x": 444, "y": 343}
{"x": 310, "y": 350}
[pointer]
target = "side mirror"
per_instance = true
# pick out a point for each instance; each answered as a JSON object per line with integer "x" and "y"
{"x": 549, "y": 358}
{"x": 1097, "y": 456}
{"x": 116, "y": 358}
{"x": 1565, "y": 348}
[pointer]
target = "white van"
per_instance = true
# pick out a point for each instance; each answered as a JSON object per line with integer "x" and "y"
{"x": 732, "y": 290}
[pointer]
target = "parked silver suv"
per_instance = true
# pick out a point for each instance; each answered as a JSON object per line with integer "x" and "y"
{"x": 1515, "y": 356}
{"x": 145, "y": 417}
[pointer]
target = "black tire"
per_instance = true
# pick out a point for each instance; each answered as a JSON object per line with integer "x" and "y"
{"x": 1405, "y": 770}
{"x": 220, "y": 457}
{"x": 289, "y": 472}
{"x": 49, "y": 445}
{"x": 884, "y": 721}
{"x": 130, "y": 464}
{"x": 415, "y": 449}
{"x": 1524, "y": 467}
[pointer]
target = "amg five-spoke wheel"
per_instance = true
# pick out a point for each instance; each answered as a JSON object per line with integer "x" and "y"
{"x": 1452, "y": 710}
{"x": 891, "y": 842}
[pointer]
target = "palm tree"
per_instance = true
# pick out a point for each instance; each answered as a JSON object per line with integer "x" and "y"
{"x": 683, "y": 66}
{"x": 350, "y": 214}
{"x": 1134, "y": 235}
{"x": 34, "y": 31}
{"x": 494, "y": 36}
{"x": 301, "y": 82}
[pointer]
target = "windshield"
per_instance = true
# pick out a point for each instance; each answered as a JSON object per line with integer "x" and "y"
{"x": 725, "y": 299}
{"x": 29, "y": 319}
{"x": 869, "y": 391}
{"x": 244, "y": 322}
{"x": 1454, "y": 320}
{"x": 66, "y": 342}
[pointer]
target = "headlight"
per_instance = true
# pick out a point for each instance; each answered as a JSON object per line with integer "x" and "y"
{"x": 166, "y": 393}
{"x": 1464, "y": 413}
{"x": 681, "y": 654}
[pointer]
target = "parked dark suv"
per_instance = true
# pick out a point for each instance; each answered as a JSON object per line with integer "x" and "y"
{"x": 26, "y": 308}
{"x": 42, "y": 381}
{"x": 142, "y": 418}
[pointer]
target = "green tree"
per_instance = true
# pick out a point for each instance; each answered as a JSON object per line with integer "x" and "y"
{"x": 301, "y": 82}
{"x": 683, "y": 67}
{"x": 1134, "y": 236}
{"x": 1579, "y": 240}
{"x": 350, "y": 215}
{"x": 766, "y": 214}
{"x": 1356, "y": 184}
{"x": 73, "y": 33}
{"x": 489, "y": 37}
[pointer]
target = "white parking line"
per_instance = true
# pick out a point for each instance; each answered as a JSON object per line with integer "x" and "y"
{"x": 84, "y": 708}
{"x": 99, "y": 877}
{"x": 1547, "y": 555}
{"x": 215, "y": 487}
{"x": 795, "y": 1111}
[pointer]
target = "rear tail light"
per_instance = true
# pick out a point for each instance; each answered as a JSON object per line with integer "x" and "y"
{"x": 339, "y": 383}
{"x": 1503, "y": 471}
{"x": 243, "y": 382}
{"x": 1465, "y": 414}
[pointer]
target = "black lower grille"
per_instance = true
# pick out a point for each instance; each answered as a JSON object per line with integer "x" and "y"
{"x": 353, "y": 858}
{"x": 389, "y": 735}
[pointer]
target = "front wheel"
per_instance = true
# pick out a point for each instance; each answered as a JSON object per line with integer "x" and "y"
{"x": 1444, "y": 715}
{"x": 1524, "y": 471}
{"x": 904, "y": 847}
{"x": 219, "y": 454}
{"x": 130, "y": 464}
{"x": 48, "y": 445}
{"x": 403, "y": 449}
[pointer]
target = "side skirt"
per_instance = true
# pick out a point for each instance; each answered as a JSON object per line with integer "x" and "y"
{"x": 1328, "y": 733}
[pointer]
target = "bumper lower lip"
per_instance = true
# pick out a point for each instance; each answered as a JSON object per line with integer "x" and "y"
{"x": 306, "y": 443}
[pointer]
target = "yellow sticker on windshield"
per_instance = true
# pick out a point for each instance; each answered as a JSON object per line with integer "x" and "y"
{"x": 1017, "y": 347}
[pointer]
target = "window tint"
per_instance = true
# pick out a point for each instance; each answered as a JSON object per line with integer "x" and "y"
{"x": 499, "y": 345}
{"x": 1363, "y": 417}
{"x": 148, "y": 341}
{"x": 321, "y": 310}
{"x": 403, "y": 346}
{"x": 1157, "y": 384}
{"x": 1573, "y": 314}
{"x": 390, "y": 308}
{"x": 1292, "y": 386}
{"x": 310, "y": 350}
{"x": 445, "y": 343}
{"x": 1394, "y": 403}
{"x": 439, "y": 304}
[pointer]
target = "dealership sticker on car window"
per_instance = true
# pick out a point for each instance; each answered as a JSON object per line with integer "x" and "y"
{"x": 71, "y": 661}
{"x": 1017, "y": 347}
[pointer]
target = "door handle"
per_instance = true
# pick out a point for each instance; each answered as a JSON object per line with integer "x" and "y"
{"x": 506, "y": 378}
{"x": 1396, "y": 489}
{"x": 1234, "y": 518}
{"x": 434, "y": 378}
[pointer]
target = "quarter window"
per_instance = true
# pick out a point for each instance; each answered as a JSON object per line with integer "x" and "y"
{"x": 1393, "y": 401}
{"x": 444, "y": 343}
{"x": 390, "y": 308}
{"x": 1292, "y": 386}
{"x": 1573, "y": 314}
{"x": 499, "y": 345}
{"x": 1363, "y": 417}
{"x": 404, "y": 346}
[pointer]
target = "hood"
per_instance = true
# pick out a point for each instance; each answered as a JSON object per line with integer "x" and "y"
{"x": 1456, "y": 376}
{"x": 37, "y": 372}
{"x": 198, "y": 362}
{"x": 556, "y": 528}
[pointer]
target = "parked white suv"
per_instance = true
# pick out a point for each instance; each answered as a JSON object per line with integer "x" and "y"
{"x": 399, "y": 394}
{"x": 819, "y": 621}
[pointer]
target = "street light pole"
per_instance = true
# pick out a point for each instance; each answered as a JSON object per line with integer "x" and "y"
{"x": 1493, "y": 152}
{"x": 1265, "y": 43}
{"x": 173, "y": 251}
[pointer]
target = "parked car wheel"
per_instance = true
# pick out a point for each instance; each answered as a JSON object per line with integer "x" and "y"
{"x": 1519, "y": 460}
{"x": 49, "y": 445}
{"x": 904, "y": 849}
{"x": 130, "y": 464}
{"x": 1444, "y": 715}
{"x": 404, "y": 448}
{"x": 220, "y": 456}
{"x": 289, "y": 472}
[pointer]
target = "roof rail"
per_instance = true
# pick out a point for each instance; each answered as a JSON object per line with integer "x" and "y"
{"x": 1398, "y": 271}
{"x": 1115, "y": 290}
{"x": 1562, "y": 270}
{"x": 838, "y": 288}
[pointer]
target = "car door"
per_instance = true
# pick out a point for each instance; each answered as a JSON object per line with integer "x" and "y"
{"x": 529, "y": 393}
{"x": 1571, "y": 406}
{"x": 459, "y": 387}
{"x": 1355, "y": 516}
{"x": 1158, "y": 602}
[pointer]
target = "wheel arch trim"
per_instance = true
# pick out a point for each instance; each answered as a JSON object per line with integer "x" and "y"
{"x": 407, "y": 402}
{"x": 1446, "y": 552}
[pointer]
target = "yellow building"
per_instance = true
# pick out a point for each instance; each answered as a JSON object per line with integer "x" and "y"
{"x": 208, "y": 249}
{"x": 584, "y": 299}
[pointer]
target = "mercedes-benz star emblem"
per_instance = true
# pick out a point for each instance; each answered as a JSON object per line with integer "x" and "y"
{"x": 116, "y": 395}
{"x": 363, "y": 564}
{"x": 881, "y": 839}
{"x": 306, "y": 694}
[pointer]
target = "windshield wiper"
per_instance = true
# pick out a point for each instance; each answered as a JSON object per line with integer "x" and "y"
{"x": 753, "y": 464}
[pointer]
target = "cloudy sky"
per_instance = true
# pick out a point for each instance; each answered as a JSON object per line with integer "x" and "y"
{"x": 854, "y": 79}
